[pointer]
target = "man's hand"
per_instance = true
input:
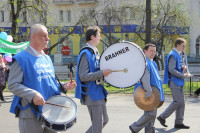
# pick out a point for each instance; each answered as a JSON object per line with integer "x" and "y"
{"x": 186, "y": 75}
{"x": 38, "y": 99}
{"x": 148, "y": 94}
{"x": 184, "y": 68}
{"x": 70, "y": 85}
{"x": 106, "y": 72}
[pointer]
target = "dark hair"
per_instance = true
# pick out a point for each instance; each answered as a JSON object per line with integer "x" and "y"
{"x": 92, "y": 30}
{"x": 179, "y": 41}
{"x": 146, "y": 47}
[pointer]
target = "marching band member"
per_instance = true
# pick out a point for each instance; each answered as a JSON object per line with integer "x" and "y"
{"x": 174, "y": 76}
{"x": 151, "y": 78}
{"x": 32, "y": 80}
{"x": 88, "y": 90}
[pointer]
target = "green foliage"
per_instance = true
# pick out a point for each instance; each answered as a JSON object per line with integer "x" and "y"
{"x": 18, "y": 20}
{"x": 114, "y": 90}
{"x": 167, "y": 91}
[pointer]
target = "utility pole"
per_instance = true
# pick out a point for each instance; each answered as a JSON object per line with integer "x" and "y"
{"x": 148, "y": 22}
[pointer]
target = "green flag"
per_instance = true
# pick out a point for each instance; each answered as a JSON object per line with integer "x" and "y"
{"x": 10, "y": 47}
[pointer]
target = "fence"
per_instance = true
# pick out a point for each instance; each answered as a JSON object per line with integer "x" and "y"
{"x": 191, "y": 85}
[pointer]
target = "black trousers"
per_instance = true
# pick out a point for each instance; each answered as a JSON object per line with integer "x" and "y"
{"x": 197, "y": 91}
{"x": 1, "y": 92}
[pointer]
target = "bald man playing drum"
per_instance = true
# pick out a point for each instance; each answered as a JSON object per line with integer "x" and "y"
{"x": 151, "y": 78}
{"x": 32, "y": 80}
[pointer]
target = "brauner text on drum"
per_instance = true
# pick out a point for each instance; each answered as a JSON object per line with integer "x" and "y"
{"x": 117, "y": 53}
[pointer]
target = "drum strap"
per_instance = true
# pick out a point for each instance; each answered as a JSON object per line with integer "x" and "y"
{"x": 85, "y": 93}
{"x": 60, "y": 85}
{"x": 87, "y": 47}
{"x": 82, "y": 85}
{"x": 23, "y": 108}
{"x": 27, "y": 106}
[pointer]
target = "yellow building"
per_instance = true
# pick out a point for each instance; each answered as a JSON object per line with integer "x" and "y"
{"x": 63, "y": 15}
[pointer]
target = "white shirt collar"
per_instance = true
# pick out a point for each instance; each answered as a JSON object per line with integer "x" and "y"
{"x": 94, "y": 48}
{"x": 179, "y": 52}
{"x": 149, "y": 58}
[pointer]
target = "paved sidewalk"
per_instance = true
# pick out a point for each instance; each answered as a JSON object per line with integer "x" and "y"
{"x": 122, "y": 112}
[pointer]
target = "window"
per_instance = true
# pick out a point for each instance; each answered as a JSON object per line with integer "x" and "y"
{"x": 199, "y": 8}
{"x": 68, "y": 16}
{"x": 1, "y": 16}
{"x": 10, "y": 17}
{"x": 61, "y": 16}
{"x": 109, "y": 12}
{"x": 43, "y": 17}
{"x": 197, "y": 45}
{"x": 130, "y": 14}
{"x": 24, "y": 17}
{"x": 83, "y": 12}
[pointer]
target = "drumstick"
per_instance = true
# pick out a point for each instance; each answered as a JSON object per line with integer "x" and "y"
{"x": 70, "y": 76}
{"x": 124, "y": 70}
{"x": 58, "y": 105}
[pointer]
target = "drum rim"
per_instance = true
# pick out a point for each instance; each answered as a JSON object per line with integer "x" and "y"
{"x": 140, "y": 52}
{"x": 63, "y": 125}
{"x": 73, "y": 119}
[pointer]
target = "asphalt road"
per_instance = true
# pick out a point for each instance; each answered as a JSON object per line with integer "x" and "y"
{"x": 122, "y": 112}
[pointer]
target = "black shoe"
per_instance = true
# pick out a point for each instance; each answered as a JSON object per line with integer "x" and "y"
{"x": 181, "y": 126}
{"x": 162, "y": 121}
{"x": 131, "y": 129}
{"x": 2, "y": 99}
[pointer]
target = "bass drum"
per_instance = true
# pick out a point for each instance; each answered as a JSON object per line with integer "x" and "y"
{"x": 125, "y": 56}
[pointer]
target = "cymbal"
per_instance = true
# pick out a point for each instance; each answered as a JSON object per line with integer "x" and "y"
{"x": 161, "y": 103}
{"x": 147, "y": 104}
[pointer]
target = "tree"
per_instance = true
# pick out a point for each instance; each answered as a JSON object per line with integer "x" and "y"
{"x": 19, "y": 10}
{"x": 148, "y": 21}
{"x": 168, "y": 19}
{"x": 81, "y": 20}
{"x": 108, "y": 14}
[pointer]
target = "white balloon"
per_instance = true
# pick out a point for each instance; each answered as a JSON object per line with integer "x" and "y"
{"x": 9, "y": 38}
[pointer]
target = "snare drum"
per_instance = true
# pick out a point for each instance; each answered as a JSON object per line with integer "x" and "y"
{"x": 120, "y": 56}
{"x": 59, "y": 118}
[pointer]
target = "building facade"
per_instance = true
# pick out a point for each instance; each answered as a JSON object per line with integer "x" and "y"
{"x": 65, "y": 16}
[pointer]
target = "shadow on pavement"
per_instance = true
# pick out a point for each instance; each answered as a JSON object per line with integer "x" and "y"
{"x": 193, "y": 99}
{"x": 163, "y": 130}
